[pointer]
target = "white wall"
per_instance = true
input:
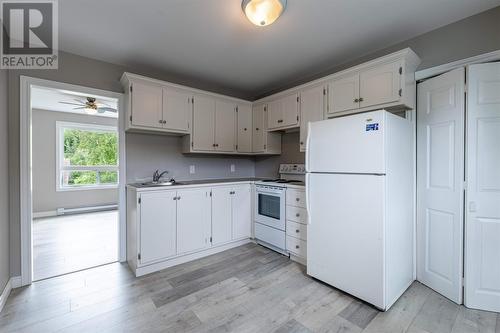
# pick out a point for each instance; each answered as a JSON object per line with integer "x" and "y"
{"x": 4, "y": 184}
{"x": 45, "y": 196}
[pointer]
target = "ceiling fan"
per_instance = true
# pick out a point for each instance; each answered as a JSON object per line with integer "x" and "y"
{"x": 91, "y": 105}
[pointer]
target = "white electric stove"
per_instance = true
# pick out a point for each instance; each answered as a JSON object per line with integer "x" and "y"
{"x": 270, "y": 196}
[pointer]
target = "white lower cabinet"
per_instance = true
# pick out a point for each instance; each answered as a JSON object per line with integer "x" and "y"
{"x": 242, "y": 212}
{"x": 158, "y": 226}
{"x": 296, "y": 224}
{"x": 168, "y": 227}
{"x": 221, "y": 214}
{"x": 193, "y": 220}
{"x": 231, "y": 213}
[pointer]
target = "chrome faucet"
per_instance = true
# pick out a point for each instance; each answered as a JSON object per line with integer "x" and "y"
{"x": 157, "y": 176}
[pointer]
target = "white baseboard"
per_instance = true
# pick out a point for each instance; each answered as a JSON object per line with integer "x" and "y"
{"x": 16, "y": 282}
{"x": 140, "y": 271}
{"x": 50, "y": 213}
{"x": 5, "y": 294}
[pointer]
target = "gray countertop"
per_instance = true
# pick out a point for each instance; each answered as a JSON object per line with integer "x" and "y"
{"x": 198, "y": 182}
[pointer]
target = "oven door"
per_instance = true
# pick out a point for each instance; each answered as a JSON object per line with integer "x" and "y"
{"x": 270, "y": 207}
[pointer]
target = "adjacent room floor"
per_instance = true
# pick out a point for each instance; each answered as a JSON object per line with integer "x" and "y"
{"x": 70, "y": 243}
{"x": 246, "y": 289}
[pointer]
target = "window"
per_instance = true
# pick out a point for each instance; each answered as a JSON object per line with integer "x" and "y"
{"x": 87, "y": 156}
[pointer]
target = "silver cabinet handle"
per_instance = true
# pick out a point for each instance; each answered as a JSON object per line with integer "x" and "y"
{"x": 256, "y": 128}
{"x": 160, "y": 121}
{"x": 296, "y": 246}
{"x": 297, "y": 215}
{"x": 164, "y": 121}
{"x": 297, "y": 199}
{"x": 361, "y": 99}
{"x": 178, "y": 198}
{"x": 356, "y": 100}
{"x": 297, "y": 231}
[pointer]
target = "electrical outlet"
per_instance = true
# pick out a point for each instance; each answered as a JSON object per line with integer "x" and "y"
{"x": 233, "y": 168}
{"x": 192, "y": 169}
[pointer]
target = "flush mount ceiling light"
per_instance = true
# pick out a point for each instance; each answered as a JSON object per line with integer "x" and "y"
{"x": 263, "y": 12}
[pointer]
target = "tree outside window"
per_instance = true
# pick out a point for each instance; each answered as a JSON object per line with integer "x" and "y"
{"x": 87, "y": 156}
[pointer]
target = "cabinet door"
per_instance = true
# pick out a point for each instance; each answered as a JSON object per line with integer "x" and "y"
{"x": 157, "y": 226}
{"x": 274, "y": 114}
{"x": 146, "y": 104}
{"x": 203, "y": 123}
{"x": 176, "y": 109}
{"x": 290, "y": 107}
{"x": 343, "y": 94}
{"x": 258, "y": 130}
{"x": 242, "y": 212}
{"x": 312, "y": 103}
{"x": 225, "y": 126}
{"x": 193, "y": 220}
{"x": 380, "y": 85}
{"x": 221, "y": 215}
{"x": 244, "y": 129}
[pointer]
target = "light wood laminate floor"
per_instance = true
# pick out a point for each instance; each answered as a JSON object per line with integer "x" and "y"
{"x": 69, "y": 243}
{"x": 246, "y": 289}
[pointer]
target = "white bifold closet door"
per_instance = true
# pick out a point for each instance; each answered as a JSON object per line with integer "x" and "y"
{"x": 482, "y": 251}
{"x": 440, "y": 183}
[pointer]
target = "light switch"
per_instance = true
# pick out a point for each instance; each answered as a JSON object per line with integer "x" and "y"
{"x": 233, "y": 168}
{"x": 192, "y": 169}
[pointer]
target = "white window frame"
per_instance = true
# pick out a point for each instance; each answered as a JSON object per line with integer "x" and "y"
{"x": 60, "y": 127}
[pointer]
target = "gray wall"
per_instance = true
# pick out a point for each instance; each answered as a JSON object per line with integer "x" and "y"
{"x": 4, "y": 184}
{"x": 145, "y": 153}
{"x": 471, "y": 36}
{"x": 45, "y": 196}
{"x": 267, "y": 166}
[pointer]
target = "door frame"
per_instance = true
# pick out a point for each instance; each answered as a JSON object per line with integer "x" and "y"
{"x": 26, "y": 195}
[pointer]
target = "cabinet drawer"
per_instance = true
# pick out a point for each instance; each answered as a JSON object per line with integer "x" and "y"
{"x": 296, "y": 214}
{"x": 297, "y": 230}
{"x": 296, "y": 198}
{"x": 296, "y": 246}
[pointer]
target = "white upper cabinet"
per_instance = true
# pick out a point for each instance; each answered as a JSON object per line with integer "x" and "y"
{"x": 203, "y": 123}
{"x": 225, "y": 126}
{"x": 258, "y": 128}
{"x": 176, "y": 109}
{"x": 312, "y": 108}
{"x": 244, "y": 128}
{"x": 264, "y": 142}
{"x": 381, "y": 84}
{"x": 146, "y": 104}
{"x": 283, "y": 112}
{"x": 157, "y": 224}
{"x": 343, "y": 94}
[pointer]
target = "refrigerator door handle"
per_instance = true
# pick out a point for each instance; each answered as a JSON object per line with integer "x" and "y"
{"x": 308, "y": 198}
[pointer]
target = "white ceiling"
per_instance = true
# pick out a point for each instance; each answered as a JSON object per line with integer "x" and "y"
{"x": 211, "y": 40}
{"x": 49, "y": 100}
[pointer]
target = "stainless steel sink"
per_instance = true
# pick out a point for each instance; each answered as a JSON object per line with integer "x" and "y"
{"x": 169, "y": 183}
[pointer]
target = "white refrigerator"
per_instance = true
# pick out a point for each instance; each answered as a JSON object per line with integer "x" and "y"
{"x": 359, "y": 189}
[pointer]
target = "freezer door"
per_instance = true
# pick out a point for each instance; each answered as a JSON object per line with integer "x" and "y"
{"x": 351, "y": 144}
{"x": 345, "y": 239}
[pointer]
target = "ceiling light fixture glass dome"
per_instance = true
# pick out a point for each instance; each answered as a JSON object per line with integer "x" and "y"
{"x": 263, "y": 12}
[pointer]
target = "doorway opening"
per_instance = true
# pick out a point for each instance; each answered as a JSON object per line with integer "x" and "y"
{"x": 76, "y": 179}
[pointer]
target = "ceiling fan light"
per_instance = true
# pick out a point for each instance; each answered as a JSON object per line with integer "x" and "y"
{"x": 263, "y": 12}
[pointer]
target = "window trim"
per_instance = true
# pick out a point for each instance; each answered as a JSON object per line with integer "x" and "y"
{"x": 60, "y": 127}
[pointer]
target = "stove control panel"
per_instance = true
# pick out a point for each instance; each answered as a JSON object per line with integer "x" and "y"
{"x": 297, "y": 169}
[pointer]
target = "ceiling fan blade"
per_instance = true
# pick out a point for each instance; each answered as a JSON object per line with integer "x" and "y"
{"x": 105, "y": 109}
{"x": 80, "y": 108}
{"x": 69, "y": 103}
{"x": 103, "y": 103}
{"x": 81, "y": 101}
